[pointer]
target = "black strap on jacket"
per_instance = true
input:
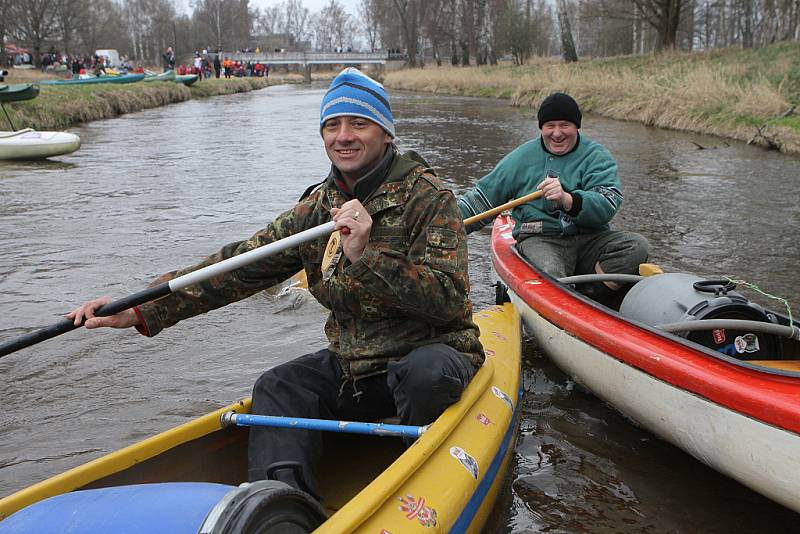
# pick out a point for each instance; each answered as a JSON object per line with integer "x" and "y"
{"x": 311, "y": 189}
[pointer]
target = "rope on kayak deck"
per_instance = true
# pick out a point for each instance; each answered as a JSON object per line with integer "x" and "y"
{"x": 757, "y": 289}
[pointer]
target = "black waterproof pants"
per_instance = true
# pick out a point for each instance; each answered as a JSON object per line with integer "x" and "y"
{"x": 416, "y": 388}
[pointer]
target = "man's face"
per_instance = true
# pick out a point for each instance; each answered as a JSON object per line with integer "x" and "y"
{"x": 559, "y": 136}
{"x": 354, "y": 145}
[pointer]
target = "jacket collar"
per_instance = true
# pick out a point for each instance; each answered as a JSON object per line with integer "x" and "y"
{"x": 367, "y": 184}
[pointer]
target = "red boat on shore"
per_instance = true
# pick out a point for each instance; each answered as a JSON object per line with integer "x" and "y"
{"x": 689, "y": 359}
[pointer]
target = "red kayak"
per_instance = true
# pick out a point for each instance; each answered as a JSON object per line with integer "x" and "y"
{"x": 689, "y": 359}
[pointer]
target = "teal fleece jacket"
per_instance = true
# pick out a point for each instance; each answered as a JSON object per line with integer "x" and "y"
{"x": 588, "y": 173}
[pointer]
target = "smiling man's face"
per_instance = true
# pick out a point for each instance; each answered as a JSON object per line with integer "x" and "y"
{"x": 559, "y": 136}
{"x": 354, "y": 144}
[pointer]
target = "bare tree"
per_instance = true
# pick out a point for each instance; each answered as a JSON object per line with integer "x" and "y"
{"x": 372, "y": 13}
{"x": 567, "y": 43}
{"x": 270, "y": 20}
{"x": 333, "y": 27}
{"x": 227, "y": 24}
{"x": 490, "y": 30}
{"x": 296, "y": 19}
{"x": 35, "y": 24}
{"x": 212, "y": 13}
{"x": 601, "y": 35}
{"x": 664, "y": 16}
{"x": 525, "y": 28}
{"x": 69, "y": 16}
{"x": 101, "y": 26}
{"x": 440, "y": 30}
{"x": 5, "y": 23}
{"x": 411, "y": 13}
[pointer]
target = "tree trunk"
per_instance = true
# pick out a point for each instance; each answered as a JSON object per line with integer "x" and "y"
{"x": 453, "y": 53}
{"x": 407, "y": 10}
{"x": 3, "y": 58}
{"x": 567, "y": 43}
{"x": 746, "y": 24}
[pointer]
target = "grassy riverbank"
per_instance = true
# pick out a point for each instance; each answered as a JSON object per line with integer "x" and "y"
{"x": 59, "y": 107}
{"x": 730, "y": 93}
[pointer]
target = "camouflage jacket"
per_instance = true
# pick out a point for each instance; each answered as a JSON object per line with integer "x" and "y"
{"x": 410, "y": 287}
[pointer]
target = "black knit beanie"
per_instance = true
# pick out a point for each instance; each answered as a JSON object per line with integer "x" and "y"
{"x": 559, "y": 106}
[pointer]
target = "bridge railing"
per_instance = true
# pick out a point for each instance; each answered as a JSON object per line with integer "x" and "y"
{"x": 308, "y": 57}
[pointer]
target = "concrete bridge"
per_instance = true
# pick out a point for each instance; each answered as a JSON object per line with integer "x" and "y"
{"x": 306, "y": 59}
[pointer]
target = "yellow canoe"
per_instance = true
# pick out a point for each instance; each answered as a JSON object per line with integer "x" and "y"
{"x": 447, "y": 481}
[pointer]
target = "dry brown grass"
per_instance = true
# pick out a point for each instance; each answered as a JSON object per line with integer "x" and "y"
{"x": 681, "y": 91}
{"x": 30, "y": 75}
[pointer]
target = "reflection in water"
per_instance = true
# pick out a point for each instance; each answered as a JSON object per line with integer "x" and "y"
{"x": 16, "y": 166}
{"x": 157, "y": 190}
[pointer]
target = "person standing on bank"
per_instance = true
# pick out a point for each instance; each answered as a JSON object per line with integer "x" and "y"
{"x": 401, "y": 336}
{"x": 217, "y": 65}
{"x": 567, "y": 230}
{"x": 169, "y": 59}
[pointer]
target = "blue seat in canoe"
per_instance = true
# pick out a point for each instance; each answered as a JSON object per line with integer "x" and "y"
{"x": 174, "y": 507}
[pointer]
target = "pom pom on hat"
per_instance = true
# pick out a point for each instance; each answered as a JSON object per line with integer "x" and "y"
{"x": 353, "y": 93}
{"x": 559, "y": 106}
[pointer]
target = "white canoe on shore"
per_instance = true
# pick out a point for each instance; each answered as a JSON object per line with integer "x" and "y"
{"x": 30, "y": 144}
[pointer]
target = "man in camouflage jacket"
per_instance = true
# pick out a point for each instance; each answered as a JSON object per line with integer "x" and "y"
{"x": 397, "y": 290}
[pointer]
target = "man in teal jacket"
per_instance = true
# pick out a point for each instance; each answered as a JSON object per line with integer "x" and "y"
{"x": 566, "y": 231}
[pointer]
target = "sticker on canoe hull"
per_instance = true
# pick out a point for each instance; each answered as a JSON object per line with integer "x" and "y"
{"x": 719, "y": 335}
{"x": 415, "y": 508}
{"x": 469, "y": 463}
{"x": 747, "y": 343}
{"x": 502, "y": 396}
{"x": 483, "y": 419}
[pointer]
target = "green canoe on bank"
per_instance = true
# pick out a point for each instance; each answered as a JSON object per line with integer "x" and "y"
{"x": 18, "y": 91}
{"x": 186, "y": 79}
{"x": 168, "y": 76}
{"x": 124, "y": 78}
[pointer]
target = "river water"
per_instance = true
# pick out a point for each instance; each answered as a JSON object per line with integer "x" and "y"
{"x": 157, "y": 190}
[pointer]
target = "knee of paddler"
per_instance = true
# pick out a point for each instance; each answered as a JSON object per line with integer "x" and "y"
{"x": 292, "y": 474}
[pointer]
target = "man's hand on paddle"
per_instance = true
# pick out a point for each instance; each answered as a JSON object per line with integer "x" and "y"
{"x": 123, "y": 319}
{"x": 355, "y": 224}
{"x": 552, "y": 190}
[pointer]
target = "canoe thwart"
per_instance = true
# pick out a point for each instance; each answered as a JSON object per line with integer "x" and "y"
{"x": 351, "y": 427}
{"x": 605, "y": 277}
{"x": 791, "y": 332}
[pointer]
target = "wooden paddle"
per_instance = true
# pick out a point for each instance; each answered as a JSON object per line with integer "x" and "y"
{"x": 503, "y": 207}
{"x": 210, "y": 271}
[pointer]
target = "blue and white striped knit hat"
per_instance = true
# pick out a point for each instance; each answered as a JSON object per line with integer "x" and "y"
{"x": 353, "y": 93}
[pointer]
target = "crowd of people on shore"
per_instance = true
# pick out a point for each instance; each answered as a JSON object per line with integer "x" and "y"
{"x": 79, "y": 64}
{"x": 209, "y": 65}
